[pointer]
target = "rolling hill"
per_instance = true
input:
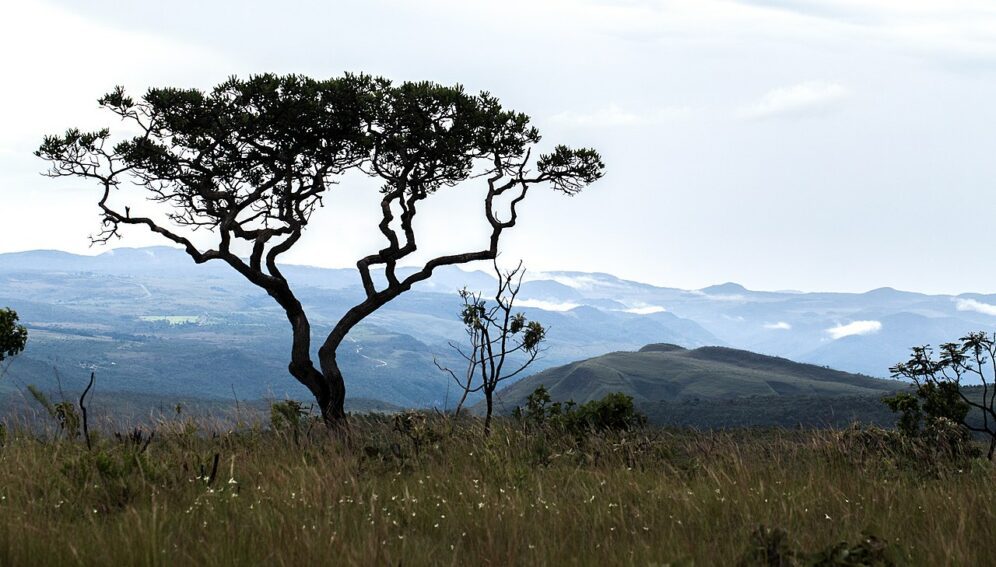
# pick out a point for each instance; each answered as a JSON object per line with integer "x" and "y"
{"x": 714, "y": 387}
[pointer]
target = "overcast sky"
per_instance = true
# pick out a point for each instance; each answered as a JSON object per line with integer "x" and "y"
{"x": 780, "y": 144}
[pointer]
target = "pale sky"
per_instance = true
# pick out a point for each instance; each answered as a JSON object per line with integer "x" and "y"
{"x": 787, "y": 144}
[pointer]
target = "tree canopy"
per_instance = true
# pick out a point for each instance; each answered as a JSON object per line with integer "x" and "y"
{"x": 251, "y": 160}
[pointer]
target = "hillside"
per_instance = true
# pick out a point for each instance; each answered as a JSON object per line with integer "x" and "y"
{"x": 681, "y": 386}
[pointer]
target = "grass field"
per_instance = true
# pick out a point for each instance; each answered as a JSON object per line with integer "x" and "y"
{"x": 647, "y": 497}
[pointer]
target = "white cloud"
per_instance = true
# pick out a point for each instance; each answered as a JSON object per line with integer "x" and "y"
{"x": 804, "y": 99}
{"x": 581, "y": 282}
{"x": 855, "y": 328}
{"x": 645, "y": 309}
{"x": 977, "y": 306}
{"x": 779, "y": 326}
{"x": 719, "y": 296}
{"x": 614, "y": 115}
{"x": 547, "y": 305}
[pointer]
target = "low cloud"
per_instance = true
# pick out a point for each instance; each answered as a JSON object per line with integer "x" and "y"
{"x": 645, "y": 309}
{"x": 581, "y": 282}
{"x": 547, "y": 305}
{"x": 613, "y": 115}
{"x": 855, "y": 328}
{"x": 804, "y": 99}
{"x": 779, "y": 326}
{"x": 977, "y": 306}
{"x": 719, "y": 296}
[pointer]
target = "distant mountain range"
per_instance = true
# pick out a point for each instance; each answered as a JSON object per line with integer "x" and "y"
{"x": 151, "y": 321}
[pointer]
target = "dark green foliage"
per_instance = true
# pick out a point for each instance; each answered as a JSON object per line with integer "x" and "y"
{"x": 13, "y": 337}
{"x": 940, "y": 399}
{"x": 931, "y": 401}
{"x": 540, "y": 410}
{"x": 907, "y": 405}
{"x": 614, "y": 412}
{"x": 570, "y": 169}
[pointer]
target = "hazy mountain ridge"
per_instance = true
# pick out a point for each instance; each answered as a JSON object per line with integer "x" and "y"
{"x": 150, "y": 318}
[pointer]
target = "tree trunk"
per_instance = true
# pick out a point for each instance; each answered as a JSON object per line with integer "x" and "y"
{"x": 463, "y": 400}
{"x": 992, "y": 447}
{"x": 326, "y": 385}
{"x": 333, "y": 396}
{"x": 487, "y": 416}
{"x": 333, "y": 403}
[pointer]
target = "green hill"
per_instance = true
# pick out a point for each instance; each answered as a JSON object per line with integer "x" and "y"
{"x": 675, "y": 386}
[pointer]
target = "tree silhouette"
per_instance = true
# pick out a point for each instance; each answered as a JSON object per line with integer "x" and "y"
{"x": 251, "y": 160}
{"x": 501, "y": 343}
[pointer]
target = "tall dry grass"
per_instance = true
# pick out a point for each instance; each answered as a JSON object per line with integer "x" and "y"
{"x": 648, "y": 497}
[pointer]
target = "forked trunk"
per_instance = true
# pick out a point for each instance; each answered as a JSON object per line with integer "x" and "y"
{"x": 326, "y": 385}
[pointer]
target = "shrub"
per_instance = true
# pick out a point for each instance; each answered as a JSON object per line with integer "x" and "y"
{"x": 614, "y": 412}
{"x": 932, "y": 400}
{"x": 932, "y": 419}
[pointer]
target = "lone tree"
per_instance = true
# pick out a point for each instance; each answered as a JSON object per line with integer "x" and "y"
{"x": 13, "y": 337}
{"x": 501, "y": 342}
{"x": 251, "y": 160}
{"x": 940, "y": 389}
